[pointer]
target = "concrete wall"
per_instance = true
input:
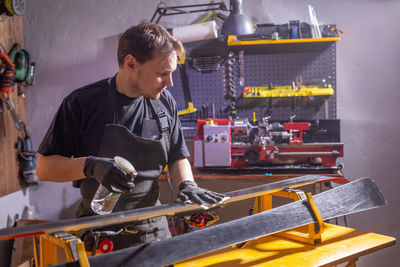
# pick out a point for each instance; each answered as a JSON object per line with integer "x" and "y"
{"x": 74, "y": 42}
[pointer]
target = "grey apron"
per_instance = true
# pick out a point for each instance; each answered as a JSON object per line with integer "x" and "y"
{"x": 149, "y": 157}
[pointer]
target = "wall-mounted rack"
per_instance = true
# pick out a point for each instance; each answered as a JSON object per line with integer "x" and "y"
{"x": 233, "y": 40}
{"x": 286, "y": 91}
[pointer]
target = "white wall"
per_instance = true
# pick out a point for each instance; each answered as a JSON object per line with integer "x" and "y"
{"x": 74, "y": 42}
{"x": 13, "y": 206}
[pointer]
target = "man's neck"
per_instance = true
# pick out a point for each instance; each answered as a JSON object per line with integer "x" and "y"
{"x": 124, "y": 86}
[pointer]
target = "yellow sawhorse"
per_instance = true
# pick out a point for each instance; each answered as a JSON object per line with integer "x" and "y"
{"x": 339, "y": 245}
{"x": 46, "y": 249}
{"x": 316, "y": 244}
{"x": 311, "y": 234}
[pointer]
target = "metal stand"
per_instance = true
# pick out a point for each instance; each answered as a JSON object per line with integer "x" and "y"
{"x": 46, "y": 249}
{"x": 311, "y": 233}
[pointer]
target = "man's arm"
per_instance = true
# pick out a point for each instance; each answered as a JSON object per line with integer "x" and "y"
{"x": 57, "y": 168}
{"x": 180, "y": 171}
{"x": 182, "y": 176}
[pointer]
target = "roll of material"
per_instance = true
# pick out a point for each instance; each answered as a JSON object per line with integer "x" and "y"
{"x": 196, "y": 32}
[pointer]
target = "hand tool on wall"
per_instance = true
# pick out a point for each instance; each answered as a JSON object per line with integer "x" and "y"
{"x": 292, "y": 90}
{"x": 213, "y": 110}
{"x": 204, "y": 109}
{"x": 241, "y": 68}
{"x": 231, "y": 82}
{"x": 186, "y": 92}
{"x": 230, "y": 75}
{"x": 26, "y": 155}
{"x": 7, "y": 77}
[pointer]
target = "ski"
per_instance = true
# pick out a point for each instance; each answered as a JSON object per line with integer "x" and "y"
{"x": 156, "y": 211}
{"x": 357, "y": 196}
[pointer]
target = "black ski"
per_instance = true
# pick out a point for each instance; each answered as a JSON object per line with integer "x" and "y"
{"x": 162, "y": 210}
{"x": 357, "y": 196}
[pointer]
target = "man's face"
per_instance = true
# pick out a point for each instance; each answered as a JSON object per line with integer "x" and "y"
{"x": 154, "y": 76}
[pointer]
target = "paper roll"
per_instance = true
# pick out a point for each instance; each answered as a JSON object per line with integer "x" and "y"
{"x": 196, "y": 32}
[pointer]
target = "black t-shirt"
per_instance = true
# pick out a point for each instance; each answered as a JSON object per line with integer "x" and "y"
{"x": 77, "y": 128}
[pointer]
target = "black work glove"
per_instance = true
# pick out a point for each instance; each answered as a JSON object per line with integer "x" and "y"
{"x": 190, "y": 192}
{"x": 107, "y": 172}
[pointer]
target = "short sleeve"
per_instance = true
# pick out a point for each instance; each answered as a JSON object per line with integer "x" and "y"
{"x": 62, "y": 137}
{"x": 178, "y": 149}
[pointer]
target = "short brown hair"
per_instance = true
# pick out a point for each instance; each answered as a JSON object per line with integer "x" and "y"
{"x": 145, "y": 40}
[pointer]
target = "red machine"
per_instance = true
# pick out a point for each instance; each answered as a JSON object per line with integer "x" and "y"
{"x": 238, "y": 144}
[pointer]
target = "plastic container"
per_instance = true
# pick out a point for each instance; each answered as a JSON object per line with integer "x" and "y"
{"x": 104, "y": 201}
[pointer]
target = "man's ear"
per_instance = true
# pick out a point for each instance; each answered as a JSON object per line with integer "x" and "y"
{"x": 130, "y": 63}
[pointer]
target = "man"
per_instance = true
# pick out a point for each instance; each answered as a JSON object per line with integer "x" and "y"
{"x": 132, "y": 116}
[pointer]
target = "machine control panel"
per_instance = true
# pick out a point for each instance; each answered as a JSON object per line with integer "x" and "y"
{"x": 217, "y": 138}
{"x": 217, "y": 145}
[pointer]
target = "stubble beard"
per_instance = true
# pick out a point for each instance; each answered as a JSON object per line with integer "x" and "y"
{"x": 142, "y": 92}
{"x": 158, "y": 93}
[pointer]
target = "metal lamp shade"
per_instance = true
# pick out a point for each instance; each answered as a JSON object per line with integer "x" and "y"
{"x": 237, "y": 23}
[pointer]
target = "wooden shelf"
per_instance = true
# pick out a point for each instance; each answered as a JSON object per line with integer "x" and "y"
{"x": 233, "y": 41}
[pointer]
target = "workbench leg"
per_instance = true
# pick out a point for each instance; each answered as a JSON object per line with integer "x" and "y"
{"x": 83, "y": 258}
{"x": 73, "y": 247}
{"x": 48, "y": 252}
{"x": 35, "y": 240}
{"x": 262, "y": 203}
{"x": 352, "y": 263}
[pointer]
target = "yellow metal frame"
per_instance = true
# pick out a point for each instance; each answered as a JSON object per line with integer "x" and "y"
{"x": 45, "y": 252}
{"x": 311, "y": 233}
{"x": 287, "y": 91}
{"x": 189, "y": 109}
{"x": 213, "y": 13}
{"x": 232, "y": 40}
{"x": 181, "y": 58}
{"x": 340, "y": 245}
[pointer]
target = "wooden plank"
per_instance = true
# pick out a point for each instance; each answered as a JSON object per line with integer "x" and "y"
{"x": 11, "y": 31}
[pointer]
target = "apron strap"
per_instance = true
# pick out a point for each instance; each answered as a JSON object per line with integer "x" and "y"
{"x": 161, "y": 117}
{"x": 162, "y": 121}
{"x": 111, "y": 96}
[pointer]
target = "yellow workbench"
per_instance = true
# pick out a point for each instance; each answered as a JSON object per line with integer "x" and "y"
{"x": 339, "y": 244}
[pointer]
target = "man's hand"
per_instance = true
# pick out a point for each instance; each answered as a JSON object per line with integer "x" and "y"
{"x": 107, "y": 172}
{"x": 189, "y": 192}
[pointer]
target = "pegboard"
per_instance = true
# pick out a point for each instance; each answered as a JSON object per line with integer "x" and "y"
{"x": 262, "y": 65}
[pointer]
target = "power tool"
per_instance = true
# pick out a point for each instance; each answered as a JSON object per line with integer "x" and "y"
{"x": 24, "y": 68}
{"x": 26, "y": 155}
{"x": 27, "y": 158}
